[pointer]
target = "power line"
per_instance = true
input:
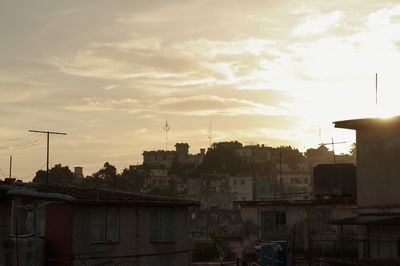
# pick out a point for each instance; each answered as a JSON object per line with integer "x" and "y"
{"x": 48, "y": 147}
{"x": 20, "y": 144}
{"x": 12, "y": 139}
{"x": 32, "y": 175}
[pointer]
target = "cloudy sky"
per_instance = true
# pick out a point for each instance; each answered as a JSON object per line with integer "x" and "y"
{"x": 110, "y": 73}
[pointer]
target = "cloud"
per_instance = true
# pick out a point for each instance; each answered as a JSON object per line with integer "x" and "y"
{"x": 383, "y": 17}
{"x": 201, "y": 105}
{"x": 316, "y": 24}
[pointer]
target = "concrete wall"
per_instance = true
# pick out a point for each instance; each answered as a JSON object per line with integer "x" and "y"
{"x": 378, "y": 167}
{"x": 134, "y": 239}
{"x": 295, "y": 215}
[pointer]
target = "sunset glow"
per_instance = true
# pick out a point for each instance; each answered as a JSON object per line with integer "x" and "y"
{"x": 110, "y": 74}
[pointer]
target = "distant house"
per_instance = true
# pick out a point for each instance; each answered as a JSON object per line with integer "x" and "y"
{"x": 71, "y": 226}
{"x": 241, "y": 187}
{"x": 304, "y": 224}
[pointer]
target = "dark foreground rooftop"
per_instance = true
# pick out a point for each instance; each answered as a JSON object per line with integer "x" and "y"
{"x": 88, "y": 195}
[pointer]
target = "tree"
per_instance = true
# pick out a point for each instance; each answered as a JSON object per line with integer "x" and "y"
{"x": 353, "y": 151}
{"x": 108, "y": 174}
{"x": 58, "y": 174}
{"x": 291, "y": 156}
{"x": 132, "y": 179}
{"x": 222, "y": 160}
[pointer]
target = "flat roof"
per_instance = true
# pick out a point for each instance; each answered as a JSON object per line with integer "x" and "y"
{"x": 368, "y": 122}
{"x": 370, "y": 219}
{"x": 297, "y": 202}
{"x": 77, "y": 195}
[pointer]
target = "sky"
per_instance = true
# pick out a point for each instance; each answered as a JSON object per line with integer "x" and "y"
{"x": 110, "y": 73}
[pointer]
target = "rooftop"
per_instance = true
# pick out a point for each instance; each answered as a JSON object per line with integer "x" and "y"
{"x": 297, "y": 202}
{"x": 89, "y": 196}
{"x": 369, "y": 122}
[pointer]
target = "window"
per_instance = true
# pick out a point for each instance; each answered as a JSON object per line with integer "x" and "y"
{"x": 234, "y": 182}
{"x": 162, "y": 225}
{"x": 319, "y": 219}
{"x": 105, "y": 224}
{"x": 273, "y": 224}
{"x": 242, "y": 181}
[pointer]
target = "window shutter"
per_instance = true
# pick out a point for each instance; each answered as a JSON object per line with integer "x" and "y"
{"x": 98, "y": 226}
{"x": 168, "y": 225}
{"x": 113, "y": 224}
{"x": 155, "y": 225}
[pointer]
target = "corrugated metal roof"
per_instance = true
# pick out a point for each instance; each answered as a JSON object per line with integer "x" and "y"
{"x": 94, "y": 196}
{"x": 371, "y": 219}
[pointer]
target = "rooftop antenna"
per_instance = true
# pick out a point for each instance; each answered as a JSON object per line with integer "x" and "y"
{"x": 376, "y": 89}
{"x": 166, "y": 129}
{"x": 333, "y": 147}
{"x": 210, "y": 133}
{"x": 320, "y": 135}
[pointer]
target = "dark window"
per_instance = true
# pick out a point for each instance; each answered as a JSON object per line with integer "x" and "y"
{"x": 320, "y": 219}
{"x": 162, "y": 225}
{"x": 105, "y": 224}
{"x": 273, "y": 225}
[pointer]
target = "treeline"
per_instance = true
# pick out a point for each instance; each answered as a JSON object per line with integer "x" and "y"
{"x": 130, "y": 179}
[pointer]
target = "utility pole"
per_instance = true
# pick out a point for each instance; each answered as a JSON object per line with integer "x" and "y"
{"x": 48, "y": 148}
{"x": 10, "y": 166}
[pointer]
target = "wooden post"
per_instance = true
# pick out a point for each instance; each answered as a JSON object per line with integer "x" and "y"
{"x": 294, "y": 246}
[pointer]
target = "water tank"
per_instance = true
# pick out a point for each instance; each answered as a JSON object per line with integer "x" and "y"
{"x": 336, "y": 180}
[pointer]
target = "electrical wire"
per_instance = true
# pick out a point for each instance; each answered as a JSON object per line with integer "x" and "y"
{"x": 32, "y": 175}
{"x": 2, "y": 173}
{"x": 24, "y": 144}
{"x": 27, "y": 136}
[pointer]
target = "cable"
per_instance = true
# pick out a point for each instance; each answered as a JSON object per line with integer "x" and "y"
{"x": 2, "y": 173}
{"x": 27, "y": 136}
{"x": 22, "y": 146}
{"x": 32, "y": 141}
{"x": 32, "y": 175}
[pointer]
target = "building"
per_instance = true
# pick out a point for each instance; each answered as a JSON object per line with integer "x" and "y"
{"x": 241, "y": 187}
{"x": 378, "y": 186}
{"x": 70, "y": 226}
{"x": 159, "y": 159}
{"x": 254, "y": 153}
{"x": 304, "y": 224}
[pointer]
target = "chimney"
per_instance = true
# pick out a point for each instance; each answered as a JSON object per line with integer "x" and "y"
{"x": 78, "y": 172}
